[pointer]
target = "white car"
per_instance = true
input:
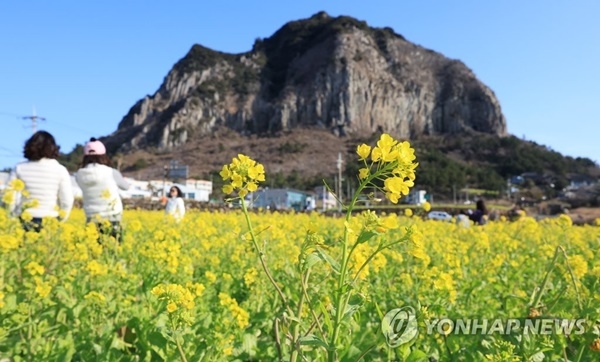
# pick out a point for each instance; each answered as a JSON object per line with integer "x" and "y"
{"x": 439, "y": 215}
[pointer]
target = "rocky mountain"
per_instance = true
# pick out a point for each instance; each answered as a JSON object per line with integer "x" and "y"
{"x": 331, "y": 73}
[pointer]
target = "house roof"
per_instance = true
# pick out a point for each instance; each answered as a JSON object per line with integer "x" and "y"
{"x": 582, "y": 178}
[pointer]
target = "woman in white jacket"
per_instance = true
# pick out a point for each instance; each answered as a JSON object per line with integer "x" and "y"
{"x": 175, "y": 206}
{"x": 47, "y": 183}
{"x": 100, "y": 184}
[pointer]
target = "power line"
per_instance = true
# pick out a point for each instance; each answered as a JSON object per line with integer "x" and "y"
{"x": 9, "y": 151}
{"x": 34, "y": 118}
{"x": 71, "y": 127}
{"x": 9, "y": 114}
{"x": 10, "y": 156}
{"x": 48, "y": 120}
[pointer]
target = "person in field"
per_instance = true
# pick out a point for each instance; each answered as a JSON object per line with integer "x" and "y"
{"x": 100, "y": 184}
{"x": 463, "y": 219}
{"x": 480, "y": 215}
{"x": 47, "y": 190}
{"x": 175, "y": 206}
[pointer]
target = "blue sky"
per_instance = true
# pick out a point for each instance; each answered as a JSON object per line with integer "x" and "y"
{"x": 83, "y": 64}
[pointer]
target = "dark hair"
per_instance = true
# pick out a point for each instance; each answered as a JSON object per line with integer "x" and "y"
{"x": 101, "y": 159}
{"x": 179, "y": 193}
{"x": 480, "y": 205}
{"x": 40, "y": 145}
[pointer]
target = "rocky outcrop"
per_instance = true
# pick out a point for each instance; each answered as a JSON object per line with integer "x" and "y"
{"x": 334, "y": 73}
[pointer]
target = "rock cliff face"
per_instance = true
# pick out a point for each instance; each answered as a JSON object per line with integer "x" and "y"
{"x": 334, "y": 73}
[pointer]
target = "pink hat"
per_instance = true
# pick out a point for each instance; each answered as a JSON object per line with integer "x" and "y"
{"x": 94, "y": 147}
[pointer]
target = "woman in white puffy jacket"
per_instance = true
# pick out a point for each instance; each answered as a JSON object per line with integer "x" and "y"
{"x": 175, "y": 206}
{"x": 46, "y": 181}
{"x": 100, "y": 184}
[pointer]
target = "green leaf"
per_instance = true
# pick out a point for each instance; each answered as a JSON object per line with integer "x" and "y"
{"x": 416, "y": 356}
{"x": 404, "y": 351}
{"x": 354, "y": 304}
{"x": 538, "y": 357}
{"x": 67, "y": 341}
{"x": 312, "y": 259}
{"x": 326, "y": 318}
{"x": 334, "y": 264}
{"x": 312, "y": 340}
{"x": 249, "y": 343}
{"x": 158, "y": 340}
{"x": 10, "y": 302}
{"x": 75, "y": 311}
{"x": 379, "y": 312}
{"x": 365, "y": 235}
{"x": 64, "y": 297}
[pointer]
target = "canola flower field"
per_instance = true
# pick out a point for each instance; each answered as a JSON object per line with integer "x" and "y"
{"x": 63, "y": 296}
{"x": 263, "y": 286}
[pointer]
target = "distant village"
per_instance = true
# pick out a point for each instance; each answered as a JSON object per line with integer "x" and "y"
{"x": 320, "y": 198}
{"x": 201, "y": 190}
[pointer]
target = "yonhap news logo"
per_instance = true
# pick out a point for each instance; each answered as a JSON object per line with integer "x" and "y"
{"x": 400, "y": 326}
{"x": 478, "y": 326}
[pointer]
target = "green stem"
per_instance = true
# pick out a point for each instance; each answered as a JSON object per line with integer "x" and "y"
{"x": 179, "y": 348}
{"x": 365, "y": 264}
{"x": 538, "y": 296}
{"x": 573, "y": 279}
{"x": 339, "y": 300}
{"x": 580, "y": 355}
{"x": 362, "y": 355}
{"x": 312, "y": 311}
{"x": 261, "y": 255}
{"x": 296, "y": 335}
{"x": 277, "y": 338}
{"x": 379, "y": 249}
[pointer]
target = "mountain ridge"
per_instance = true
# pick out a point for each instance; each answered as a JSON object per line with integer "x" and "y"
{"x": 314, "y": 89}
{"x": 334, "y": 73}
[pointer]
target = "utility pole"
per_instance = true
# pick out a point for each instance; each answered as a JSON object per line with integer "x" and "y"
{"x": 454, "y": 193}
{"x": 339, "y": 179}
{"x": 165, "y": 175}
{"x": 34, "y": 118}
{"x": 325, "y": 194}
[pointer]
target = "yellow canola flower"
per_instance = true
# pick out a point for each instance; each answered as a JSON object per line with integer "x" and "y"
{"x": 394, "y": 165}
{"x": 196, "y": 288}
{"x": 212, "y": 277}
{"x": 363, "y": 173}
{"x": 250, "y": 276}
{"x": 8, "y": 197}
{"x": 244, "y": 175}
{"x": 578, "y": 265}
{"x": 105, "y": 194}
{"x": 96, "y": 269}
{"x": 370, "y": 221}
{"x": 34, "y": 268}
{"x": 9, "y": 242}
{"x": 174, "y": 293}
{"x": 17, "y": 185}
{"x": 135, "y": 226}
{"x": 363, "y": 151}
{"x": 41, "y": 288}
{"x": 396, "y": 187}
{"x": 171, "y": 307}
{"x": 95, "y": 297}
{"x": 426, "y": 206}
{"x": 241, "y": 316}
{"x": 387, "y": 223}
